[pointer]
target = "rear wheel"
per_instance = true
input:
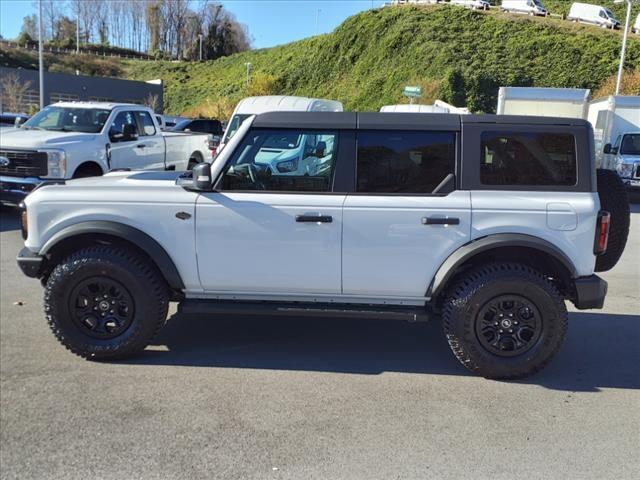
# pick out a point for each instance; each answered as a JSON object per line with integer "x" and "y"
{"x": 613, "y": 199}
{"x": 105, "y": 302}
{"x": 504, "y": 320}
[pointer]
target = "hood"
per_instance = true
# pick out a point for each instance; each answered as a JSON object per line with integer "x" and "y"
{"x": 133, "y": 179}
{"x": 23, "y": 138}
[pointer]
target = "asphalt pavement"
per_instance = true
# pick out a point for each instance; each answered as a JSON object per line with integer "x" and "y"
{"x": 300, "y": 398}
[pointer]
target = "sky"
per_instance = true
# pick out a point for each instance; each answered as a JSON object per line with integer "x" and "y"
{"x": 270, "y": 22}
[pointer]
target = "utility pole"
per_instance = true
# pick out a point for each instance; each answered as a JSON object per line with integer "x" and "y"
{"x": 624, "y": 45}
{"x": 40, "y": 62}
{"x": 200, "y": 37}
{"x": 248, "y": 65}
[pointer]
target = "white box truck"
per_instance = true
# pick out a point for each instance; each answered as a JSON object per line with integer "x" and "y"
{"x": 616, "y": 128}
{"x": 529, "y": 7}
{"x": 274, "y": 103}
{"x": 545, "y": 102}
{"x": 593, "y": 14}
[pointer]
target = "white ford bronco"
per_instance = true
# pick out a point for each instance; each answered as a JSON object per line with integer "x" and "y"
{"x": 489, "y": 222}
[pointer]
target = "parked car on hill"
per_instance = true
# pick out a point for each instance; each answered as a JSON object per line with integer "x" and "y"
{"x": 491, "y": 222}
{"x": 84, "y": 139}
{"x": 593, "y": 14}
{"x": 529, "y": 7}
{"x": 472, "y": 4}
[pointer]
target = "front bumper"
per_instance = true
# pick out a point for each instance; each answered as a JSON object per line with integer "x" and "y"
{"x": 14, "y": 189}
{"x": 30, "y": 263}
{"x": 590, "y": 292}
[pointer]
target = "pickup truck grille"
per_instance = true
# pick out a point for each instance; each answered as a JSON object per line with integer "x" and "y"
{"x": 23, "y": 163}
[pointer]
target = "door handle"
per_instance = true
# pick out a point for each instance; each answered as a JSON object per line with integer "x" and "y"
{"x": 440, "y": 221}
{"x": 314, "y": 218}
{"x": 141, "y": 145}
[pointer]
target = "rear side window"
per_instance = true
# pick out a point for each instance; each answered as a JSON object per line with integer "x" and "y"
{"x": 528, "y": 159}
{"x": 404, "y": 162}
{"x": 148, "y": 128}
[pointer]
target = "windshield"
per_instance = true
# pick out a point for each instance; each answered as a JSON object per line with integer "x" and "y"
{"x": 282, "y": 141}
{"x": 609, "y": 14}
{"x": 234, "y": 125}
{"x": 68, "y": 119}
{"x": 631, "y": 145}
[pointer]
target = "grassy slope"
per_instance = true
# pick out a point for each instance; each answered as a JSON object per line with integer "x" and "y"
{"x": 371, "y": 56}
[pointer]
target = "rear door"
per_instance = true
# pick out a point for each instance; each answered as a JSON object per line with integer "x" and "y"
{"x": 397, "y": 231}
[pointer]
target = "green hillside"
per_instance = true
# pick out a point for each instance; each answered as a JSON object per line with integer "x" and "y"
{"x": 455, "y": 54}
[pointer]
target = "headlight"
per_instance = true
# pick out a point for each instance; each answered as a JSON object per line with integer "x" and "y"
{"x": 288, "y": 166}
{"x": 624, "y": 169}
{"x": 56, "y": 163}
{"x": 24, "y": 221}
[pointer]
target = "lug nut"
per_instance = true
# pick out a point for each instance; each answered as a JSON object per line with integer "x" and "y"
{"x": 510, "y": 330}
{"x": 501, "y": 331}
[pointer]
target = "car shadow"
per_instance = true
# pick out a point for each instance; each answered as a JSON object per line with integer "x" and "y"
{"x": 601, "y": 350}
{"x": 9, "y": 219}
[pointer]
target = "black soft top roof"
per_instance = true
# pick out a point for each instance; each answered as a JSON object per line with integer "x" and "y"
{"x": 398, "y": 121}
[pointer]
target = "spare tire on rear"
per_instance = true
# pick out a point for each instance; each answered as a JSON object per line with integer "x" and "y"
{"x": 613, "y": 199}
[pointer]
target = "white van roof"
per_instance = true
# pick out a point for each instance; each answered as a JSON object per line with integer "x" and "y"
{"x": 406, "y": 108}
{"x": 271, "y": 103}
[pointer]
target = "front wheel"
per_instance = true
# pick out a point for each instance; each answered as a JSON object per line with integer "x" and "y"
{"x": 504, "y": 320}
{"x": 105, "y": 302}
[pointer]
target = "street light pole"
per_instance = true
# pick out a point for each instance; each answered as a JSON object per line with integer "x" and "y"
{"x": 40, "y": 62}
{"x": 624, "y": 45}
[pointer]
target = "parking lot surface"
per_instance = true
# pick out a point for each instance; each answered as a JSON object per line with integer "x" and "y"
{"x": 274, "y": 398}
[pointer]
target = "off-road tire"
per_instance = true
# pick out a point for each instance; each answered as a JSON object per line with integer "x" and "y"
{"x": 473, "y": 290}
{"x": 613, "y": 199}
{"x": 144, "y": 283}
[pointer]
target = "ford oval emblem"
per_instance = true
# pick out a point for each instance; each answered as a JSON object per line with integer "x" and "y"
{"x": 4, "y": 162}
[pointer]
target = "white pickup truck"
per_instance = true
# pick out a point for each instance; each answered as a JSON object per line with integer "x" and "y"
{"x": 84, "y": 139}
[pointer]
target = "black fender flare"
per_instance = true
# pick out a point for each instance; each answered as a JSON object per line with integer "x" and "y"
{"x": 130, "y": 234}
{"x": 468, "y": 251}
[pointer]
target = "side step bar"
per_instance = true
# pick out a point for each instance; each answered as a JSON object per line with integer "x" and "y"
{"x": 410, "y": 314}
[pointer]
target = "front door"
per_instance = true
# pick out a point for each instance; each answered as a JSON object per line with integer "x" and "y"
{"x": 273, "y": 225}
{"x": 406, "y": 217}
{"x": 143, "y": 150}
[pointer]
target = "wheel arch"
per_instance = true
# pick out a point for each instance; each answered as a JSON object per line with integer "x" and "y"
{"x": 100, "y": 232}
{"x": 89, "y": 164}
{"x": 536, "y": 252}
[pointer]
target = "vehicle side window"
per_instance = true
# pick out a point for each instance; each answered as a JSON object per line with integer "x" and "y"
{"x": 117, "y": 126}
{"x": 603, "y": 14}
{"x": 404, "y": 162}
{"x": 528, "y": 158}
{"x": 148, "y": 128}
{"x": 283, "y": 160}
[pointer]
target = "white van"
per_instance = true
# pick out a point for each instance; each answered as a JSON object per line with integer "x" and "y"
{"x": 593, "y": 14}
{"x": 530, "y": 7}
{"x": 636, "y": 26}
{"x": 472, "y": 4}
{"x": 275, "y": 103}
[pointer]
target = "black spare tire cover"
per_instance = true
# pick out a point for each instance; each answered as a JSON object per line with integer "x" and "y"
{"x": 613, "y": 199}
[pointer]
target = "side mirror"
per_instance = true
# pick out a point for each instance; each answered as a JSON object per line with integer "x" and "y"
{"x": 202, "y": 177}
{"x": 607, "y": 148}
{"x": 129, "y": 133}
{"x": 19, "y": 121}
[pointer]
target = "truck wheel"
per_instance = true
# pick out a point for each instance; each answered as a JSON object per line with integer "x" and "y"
{"x": 504, "y": 320}
{"x": 613, "y": 199}
{"x": 105, "y": 303}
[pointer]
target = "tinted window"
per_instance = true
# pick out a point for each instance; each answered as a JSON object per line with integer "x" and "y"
{"x": 283, "y": 160}
{"x": 527, "y": 158}
{"x": 122, "y": 119}
{"x": 404, "y": 162}
{"x": 147, "y": 123}
{"x": 631, "y": 144}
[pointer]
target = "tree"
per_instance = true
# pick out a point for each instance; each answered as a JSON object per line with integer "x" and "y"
{"x": 66, "y": 31}
{"x": 30, "y": 26}
{"x": 12, "y": 93}
{"x": 225, "y": 35}
{"x": 453, "y": 89}
{"x": 153, "y": 25}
